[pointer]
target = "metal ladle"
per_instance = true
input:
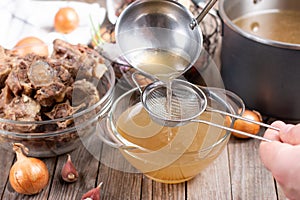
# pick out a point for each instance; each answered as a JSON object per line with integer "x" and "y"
{"x": 202, "y": 14}
{"x": 187, "y": 103}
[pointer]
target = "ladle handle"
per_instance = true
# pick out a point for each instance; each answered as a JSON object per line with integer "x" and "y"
{"x": 245, "y": 119}
{"x": 232, "y": 130}
{"x": 202, "y": 14}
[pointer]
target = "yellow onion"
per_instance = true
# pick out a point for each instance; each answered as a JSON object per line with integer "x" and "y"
{"x": 29, "y": 45}
{"x": 248, "y": 127}
{"x": 66, "y": 20}
{"x": 28, "y": 175}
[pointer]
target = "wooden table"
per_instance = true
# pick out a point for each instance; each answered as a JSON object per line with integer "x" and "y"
{"x": 236, "y": 174}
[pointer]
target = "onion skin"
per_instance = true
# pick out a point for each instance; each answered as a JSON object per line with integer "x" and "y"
{"x": 29, "y": 45}
{"x": 66, "y": 20}
{"x": 28, "y": 175}
{"x": 245, "y": 126}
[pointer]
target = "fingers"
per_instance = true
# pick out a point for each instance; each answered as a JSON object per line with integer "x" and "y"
{"x": 290, "y": 134}
{"x": 273, "y": 134}
{"x": 268, "y": 153}
{"x": 268, "y": 150}
{"x": 273, "y": 153}
{"x": 282, "y": 155}
{"x": 282, "y": 159}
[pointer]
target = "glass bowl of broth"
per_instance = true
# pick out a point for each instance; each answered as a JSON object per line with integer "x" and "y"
{"x": 169, "y": 154}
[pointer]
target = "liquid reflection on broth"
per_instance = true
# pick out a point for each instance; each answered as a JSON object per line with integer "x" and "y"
{"x": 278, "y": 25}
{"x": 255, "y": 27}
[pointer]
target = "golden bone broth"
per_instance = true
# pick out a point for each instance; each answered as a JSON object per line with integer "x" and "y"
{"x": 279, "y": 25}
{"x": 170, "y": 154}
{"x": 164, "y": 65}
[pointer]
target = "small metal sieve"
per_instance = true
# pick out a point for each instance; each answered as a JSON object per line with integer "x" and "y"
{"x": 187, "y": 102}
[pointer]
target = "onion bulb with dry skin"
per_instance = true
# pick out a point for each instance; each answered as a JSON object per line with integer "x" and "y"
{"x": 245, "y": 126}
{"x": 28, "y": 175}
{"x": 29, "y": 45}
{"x": 66, "y": 20}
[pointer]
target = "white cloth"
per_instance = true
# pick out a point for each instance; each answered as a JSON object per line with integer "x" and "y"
{"x": 21, "y": 18}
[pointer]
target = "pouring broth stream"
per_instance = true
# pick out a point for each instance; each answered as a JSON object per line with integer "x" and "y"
{"x": 162, "y": 65}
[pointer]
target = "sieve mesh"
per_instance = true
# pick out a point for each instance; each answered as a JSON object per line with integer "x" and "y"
{"x": 185, "y": 102}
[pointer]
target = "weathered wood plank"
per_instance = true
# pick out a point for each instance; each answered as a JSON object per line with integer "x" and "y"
{"x": 147, "y": 186}
{"x": 120, "y": 180}
{"x": 213, "y": 182}
{"x": 168, "y": 191}
{"x": 87, "y": 167}
{"x": 6, "y": 161}
{"x": 119, "y": 185}
{"x": 249, "y": 178}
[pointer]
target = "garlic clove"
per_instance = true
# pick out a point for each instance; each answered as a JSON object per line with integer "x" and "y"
{"x": 93, "y": 194}
{"x": 68, "y": 171}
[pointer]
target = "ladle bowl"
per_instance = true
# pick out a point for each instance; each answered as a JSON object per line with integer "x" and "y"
{"x": 158, "y": 25}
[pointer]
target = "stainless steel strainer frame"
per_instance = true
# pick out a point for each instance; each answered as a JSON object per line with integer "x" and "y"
{"x": 172, "y": 123}
{"x": 175, "y": 119}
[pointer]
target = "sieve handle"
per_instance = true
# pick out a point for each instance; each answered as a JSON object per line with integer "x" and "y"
{"x": 232, "y": 130}
{"x": 245, "y": 119}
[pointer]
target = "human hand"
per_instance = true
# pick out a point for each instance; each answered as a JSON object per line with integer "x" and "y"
{"x": 282, "y": 157}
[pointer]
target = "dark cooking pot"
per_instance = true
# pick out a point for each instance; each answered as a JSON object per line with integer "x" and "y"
{"x": 264, "y": 73}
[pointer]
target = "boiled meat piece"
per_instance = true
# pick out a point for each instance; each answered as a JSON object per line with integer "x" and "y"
{"x": 50, "y": 94}
{"x": 81, "y": 61}
{"x": 6, "y": 97}
{"x": 4, "y": 72}
{"x": 41, "y": 74}
{"x": 67, "y": 54}
{"x": 22, "y": 108}
{"x": 18, "y": 81}
{"x": 62, "y": 110}
{"x": 62, "y": 73}
{"x": 84, "y": 92}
